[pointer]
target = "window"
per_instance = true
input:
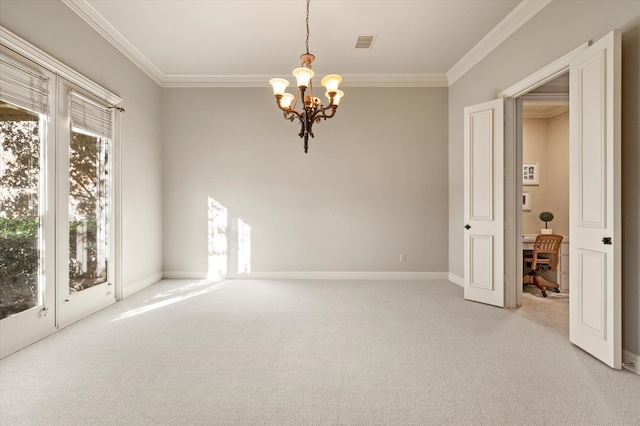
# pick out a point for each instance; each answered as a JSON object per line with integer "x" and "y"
{"x": 57, "y": 210}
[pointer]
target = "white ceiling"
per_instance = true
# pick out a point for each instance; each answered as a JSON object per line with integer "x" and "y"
{"x": 244, "y": 42}
{"x": 544, "y": 109}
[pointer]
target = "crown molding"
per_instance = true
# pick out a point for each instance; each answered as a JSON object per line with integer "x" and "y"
{"x": 92, "y": 17}
{"x": 553, "y": 112}
{"x": 522, "y": 13}
{"x": 514, "y": 20}
{"x": 394, "y": 80}
{"x": 349, "y": 80}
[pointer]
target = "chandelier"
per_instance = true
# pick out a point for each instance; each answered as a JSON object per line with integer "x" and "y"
{"x": 312, "y": 110}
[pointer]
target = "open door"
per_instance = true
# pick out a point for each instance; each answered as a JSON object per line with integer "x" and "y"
{"x": 484, "y": 203}
{"x": 595, "y": 198}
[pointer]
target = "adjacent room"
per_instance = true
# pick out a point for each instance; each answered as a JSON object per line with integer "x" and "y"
{"x": 292, "y": 212}
{"x": 545, "y": 188}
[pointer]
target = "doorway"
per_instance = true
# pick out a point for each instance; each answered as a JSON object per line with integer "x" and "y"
{"x": 595, "y": 314}
{"x": 543, "y": 139}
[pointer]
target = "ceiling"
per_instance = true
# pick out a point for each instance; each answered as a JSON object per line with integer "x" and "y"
{"x": 544, "y": 109}
{"x": 244, "y": 43}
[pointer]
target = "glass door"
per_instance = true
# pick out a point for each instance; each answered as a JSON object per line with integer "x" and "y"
{"x": 86, "y": 279}
{"x": 26, "y": 228}
{"x": 56, "y": 209}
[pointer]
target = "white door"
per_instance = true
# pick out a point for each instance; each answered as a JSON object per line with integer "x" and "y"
{"x": 27, "y": 198}
{"x": 85, "y": 273}
{"x": 595, "y": 199}
{"x": 484, "y": 203}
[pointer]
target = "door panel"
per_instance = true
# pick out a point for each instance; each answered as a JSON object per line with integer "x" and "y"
{"x": 26, "y": 280}
{"x": 484, "y": 203}
{"x": 84, "y": 273}
{"x": 595, "y": 199}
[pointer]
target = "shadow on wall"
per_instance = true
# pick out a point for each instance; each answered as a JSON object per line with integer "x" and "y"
{"x": 229, "y": 243}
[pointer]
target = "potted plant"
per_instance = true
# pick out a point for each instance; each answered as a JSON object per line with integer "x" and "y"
{"x": 546, "y": 217}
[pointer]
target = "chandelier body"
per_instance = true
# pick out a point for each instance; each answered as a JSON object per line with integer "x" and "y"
{"x": 312, "y": 111}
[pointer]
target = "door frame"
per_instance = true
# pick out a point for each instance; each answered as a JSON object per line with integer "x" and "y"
{"x": 519, "y": 146}
{"x": 513, "y": 166}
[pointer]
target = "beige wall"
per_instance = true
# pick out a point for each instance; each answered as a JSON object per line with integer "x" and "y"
{"x": 373, "y": 185}
{"x": 546, "y": 142}
{"x": 557, "y": 172}
{"x": 54, "y": 28}
{"x": 556, "y": 30}
{"x": 387, "y": 192}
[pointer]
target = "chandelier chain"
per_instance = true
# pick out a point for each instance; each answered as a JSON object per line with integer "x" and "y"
{"x": 307, "y": 42}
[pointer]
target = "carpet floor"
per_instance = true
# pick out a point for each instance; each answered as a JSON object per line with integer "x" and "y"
{"x": 278, "y": 352}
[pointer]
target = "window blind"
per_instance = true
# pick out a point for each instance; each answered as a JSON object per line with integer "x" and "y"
{"x": 23, "y": 87}
{"x": 90, "y": 117}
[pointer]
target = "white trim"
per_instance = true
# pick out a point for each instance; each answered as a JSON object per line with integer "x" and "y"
{"x": 456, "y": 279}
{"x": 522, "y": 13}
{"x": 513, "y": 166}
{"x": 183, "y": 80}
{"x": 117, "y": 206}
{"x": 629, "y": 358}
{"x": 315, "y": 275}
{"x": 92, "y": 17}
{"x": 48, "y": 62}
{"x": 543, "y": 75}
{"x": 179, "y": 275}
{"x": 346, "y": 275}
{"x": 395, "y": 80}
{"x": 349, "y": 80}
{"x": 550, "y": 113}
{"x": 140, "y": 285}
{"x": 85, "y": 314}
{"x": 27, "y": 342}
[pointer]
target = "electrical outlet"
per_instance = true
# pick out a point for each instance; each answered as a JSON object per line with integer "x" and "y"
{"x": 402, "y": 258}
{"x": 197, "y": 255}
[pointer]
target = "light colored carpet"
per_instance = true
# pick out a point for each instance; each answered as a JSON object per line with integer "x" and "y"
{"x": 551, "y": 311}
{"x": 252, "y": 352}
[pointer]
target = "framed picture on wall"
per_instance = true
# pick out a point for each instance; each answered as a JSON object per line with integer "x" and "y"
{"x": 526, "y": 201}
{"x": 530, "y": 174}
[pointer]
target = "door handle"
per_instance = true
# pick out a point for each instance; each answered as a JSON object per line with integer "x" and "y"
{"x": 467, "y": 226}
{"x": 607, "y": 240}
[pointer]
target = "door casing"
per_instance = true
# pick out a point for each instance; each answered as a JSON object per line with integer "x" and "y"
{"x": 513, "y": 165}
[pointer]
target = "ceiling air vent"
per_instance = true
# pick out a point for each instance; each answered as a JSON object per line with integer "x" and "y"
{"x": 365, "y": 42}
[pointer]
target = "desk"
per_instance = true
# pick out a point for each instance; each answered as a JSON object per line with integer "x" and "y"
{"x": 561, "y": 275}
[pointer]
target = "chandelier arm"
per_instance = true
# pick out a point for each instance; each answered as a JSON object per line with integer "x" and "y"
{"x": 322, "y": 113}
{"x": 288, "y": 115}
{"x": 324, "y": 108}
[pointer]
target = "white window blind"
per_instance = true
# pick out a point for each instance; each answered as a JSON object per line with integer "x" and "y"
{"x": 23, "y": 87}
{"x": 90, "y": 117}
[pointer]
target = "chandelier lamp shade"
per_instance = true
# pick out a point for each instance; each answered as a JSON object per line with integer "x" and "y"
{"x": 311, "y": 108}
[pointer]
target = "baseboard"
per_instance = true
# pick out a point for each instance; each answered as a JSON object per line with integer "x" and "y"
{"x": 344, "y": 275}
{"x": 136, "y": 287}
{"x": 27, "y": 342}
{"x": 184, "y": 275}
{"x": 85, "y": 314}
{"x": 631, "y": 361}
{"x": 456, "y": 279}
